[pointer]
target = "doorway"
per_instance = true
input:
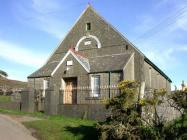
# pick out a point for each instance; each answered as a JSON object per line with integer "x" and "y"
{"x": 70, "y": 91}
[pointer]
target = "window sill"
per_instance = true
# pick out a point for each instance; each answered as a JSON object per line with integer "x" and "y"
{"x": 93, "y": 98}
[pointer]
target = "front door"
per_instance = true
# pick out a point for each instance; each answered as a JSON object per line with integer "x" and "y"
{"x": 70, "y": 92}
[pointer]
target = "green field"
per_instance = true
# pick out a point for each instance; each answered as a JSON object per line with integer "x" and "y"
{"x": 63, "y": 128}
{"x": 5, "y": 99}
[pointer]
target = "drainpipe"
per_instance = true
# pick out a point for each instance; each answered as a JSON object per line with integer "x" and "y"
{"x": 109, "y": 73}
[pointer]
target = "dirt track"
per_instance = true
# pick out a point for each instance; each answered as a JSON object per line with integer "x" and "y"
{"x": 12, "y": 129}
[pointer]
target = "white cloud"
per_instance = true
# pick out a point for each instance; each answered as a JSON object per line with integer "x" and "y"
{"x": 15, "y": 76}
{"x": 181, "y": 22}
{"x": 43, "y": 6}
{"x": 163, "y": 58}
{"x": 18, "y": 54}
{"x": 42, "y": 15}
{"x": 146, "y": 23}
{"x": 161, "y": 3}
{"x": 183, "y": 49}
{"x": 161, "y": 44}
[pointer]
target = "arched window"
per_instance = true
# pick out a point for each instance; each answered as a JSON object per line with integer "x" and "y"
{"x": 88, "y": 36}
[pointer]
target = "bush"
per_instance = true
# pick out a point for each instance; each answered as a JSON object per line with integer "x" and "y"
{"x": 128, "y": 122}
{"x": 148, "y": 133}
{"x": 124, "y": 122}
{"x": 177, "y": 129}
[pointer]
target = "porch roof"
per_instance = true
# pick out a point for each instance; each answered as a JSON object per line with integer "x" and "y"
{"x": 102, "y": 63}
{"x": 45, "y": 71}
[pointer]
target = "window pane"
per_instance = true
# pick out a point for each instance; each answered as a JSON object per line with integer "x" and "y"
{"x": 88, "y": 26}
{"x": 95, "y": 85}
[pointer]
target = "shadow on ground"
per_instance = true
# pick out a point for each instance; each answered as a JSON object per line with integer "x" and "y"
{"x": 88, "y": 132}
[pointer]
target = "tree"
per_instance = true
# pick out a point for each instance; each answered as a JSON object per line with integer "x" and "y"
{"x": 3, "y": 73}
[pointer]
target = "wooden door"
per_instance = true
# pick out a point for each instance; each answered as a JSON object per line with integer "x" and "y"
{"x": 70, "y": 92}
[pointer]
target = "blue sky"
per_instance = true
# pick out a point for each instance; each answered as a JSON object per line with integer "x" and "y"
{"x": 30, "y": 31}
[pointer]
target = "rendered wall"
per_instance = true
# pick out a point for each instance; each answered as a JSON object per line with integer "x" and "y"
{"x": 128, "y": 71}
{"x": 154, "y": 80}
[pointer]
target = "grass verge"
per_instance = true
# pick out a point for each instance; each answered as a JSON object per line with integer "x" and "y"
{"x": 63, "y": 128}
{"x": 5, "y": 99}
{"x": 58, "y": 127}
{"x": 15, "y": 112}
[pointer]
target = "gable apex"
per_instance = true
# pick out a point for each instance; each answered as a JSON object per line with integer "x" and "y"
{"x": 87, "y": 9}
{"x": 85, "y": 66}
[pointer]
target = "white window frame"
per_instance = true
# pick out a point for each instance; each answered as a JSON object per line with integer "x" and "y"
{"x": 95, "y": 89}
{"x": 45, "y": 86}
{"x": 69, "y": 63}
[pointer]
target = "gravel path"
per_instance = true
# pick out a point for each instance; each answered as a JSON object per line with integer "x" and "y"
{"x": 12, "y": 129}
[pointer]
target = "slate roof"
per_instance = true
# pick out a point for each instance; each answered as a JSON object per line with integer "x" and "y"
{"x": 45, "y": 71}
{"x": 103, "y": 63}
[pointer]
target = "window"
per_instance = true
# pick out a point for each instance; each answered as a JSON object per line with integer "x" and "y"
{"x": 69, "y": 63}
{"x": 95, "y": 85}
{"x": 87, "y": 42}
{"x": 88, "y": 26}
{"x": 127, "y": 47}
{"x": 45, "y": 84}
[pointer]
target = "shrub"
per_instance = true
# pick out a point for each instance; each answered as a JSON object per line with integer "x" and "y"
{"x": 124, "y": 122}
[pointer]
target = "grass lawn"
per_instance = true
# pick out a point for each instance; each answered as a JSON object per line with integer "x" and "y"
{"x": 58, "y": 127}
{"x": 63, "y": 128}
{"x": 5, "y": 99}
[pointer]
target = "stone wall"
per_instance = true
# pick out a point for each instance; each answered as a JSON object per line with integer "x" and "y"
{"x": 11, "y": 106}
{"x": 27, "y": 100}
{"x": 89, "y": 111}
{"x": 14, "y": 103}
{"x": 37, "y": 83}
{"x": 51, "y": 102}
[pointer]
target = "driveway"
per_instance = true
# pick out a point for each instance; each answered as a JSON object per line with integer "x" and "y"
{"x": 10, "y": 129}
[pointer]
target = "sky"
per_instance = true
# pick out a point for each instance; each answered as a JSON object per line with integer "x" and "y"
{"x": 30, "y": 31}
